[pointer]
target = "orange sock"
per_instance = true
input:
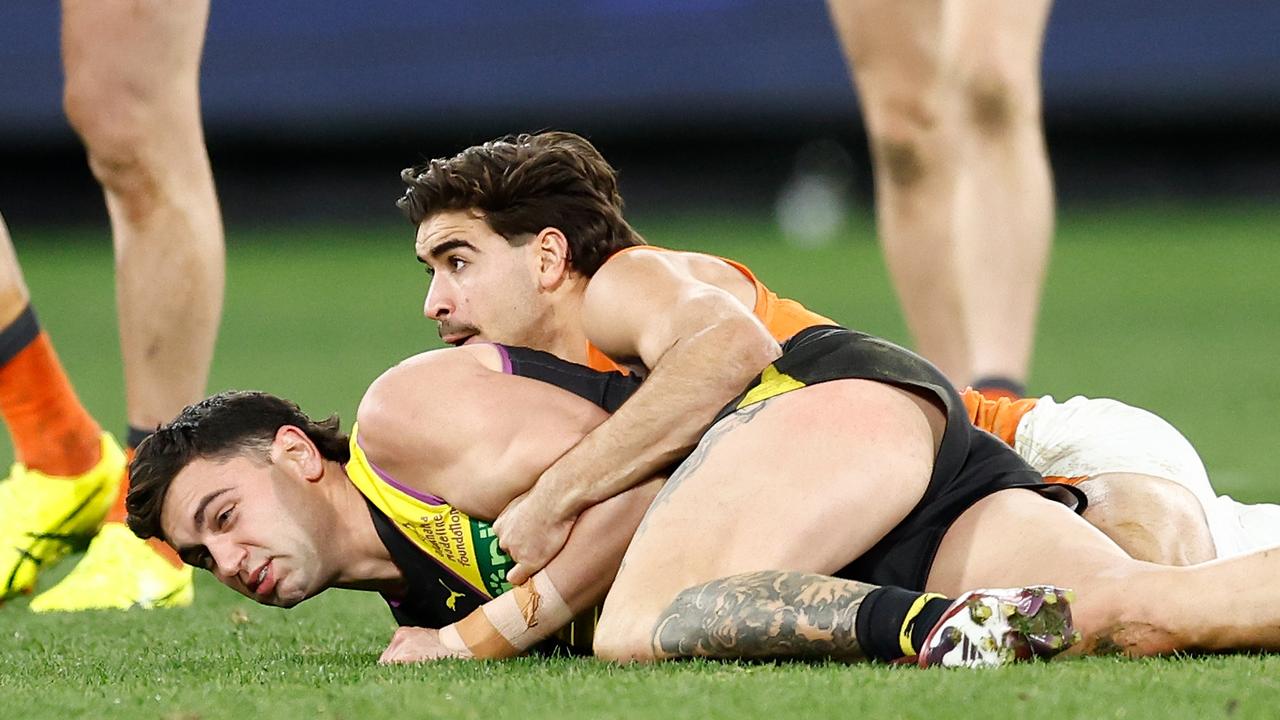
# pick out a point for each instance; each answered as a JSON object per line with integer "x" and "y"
{"x": 118, "y": 513}
{"x": 52, "y": 432}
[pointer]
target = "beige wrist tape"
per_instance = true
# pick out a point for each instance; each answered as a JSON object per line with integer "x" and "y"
{"x": 452, "y": 639}
{"x": 516, "y": 620}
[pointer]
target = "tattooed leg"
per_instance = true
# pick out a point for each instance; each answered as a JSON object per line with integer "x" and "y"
{"x": 764, "y": 615}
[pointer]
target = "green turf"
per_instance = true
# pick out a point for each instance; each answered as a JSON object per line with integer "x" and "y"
{"x": 1170, "y": 308}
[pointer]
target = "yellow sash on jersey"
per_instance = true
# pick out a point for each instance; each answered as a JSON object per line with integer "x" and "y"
{"x": 467, "y": 547}
{"x": 772, "y": 384}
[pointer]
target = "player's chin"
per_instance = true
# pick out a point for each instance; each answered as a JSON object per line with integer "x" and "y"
{"x": 287, "y": 597}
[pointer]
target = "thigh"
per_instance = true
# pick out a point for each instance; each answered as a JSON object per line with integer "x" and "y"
{"x": 999, "y": 39}
{"x": 1015, "y": 537}
{"x": 805, "y": 481}
{"x": 138, "y": 46}
{"x": 894, "y": 48}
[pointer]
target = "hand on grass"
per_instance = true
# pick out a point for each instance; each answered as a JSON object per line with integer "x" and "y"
{"x": 418, "y": 644}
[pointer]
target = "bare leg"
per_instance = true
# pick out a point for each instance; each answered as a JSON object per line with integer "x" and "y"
{"x": 899, "y": 62}
{"x": 132, "y": 74}
{"x": 1150, "y": 518}
{"x": 951, "y": 100}
{"x": 1004, "y": 205}
{"x": 132, "y": 93}
{"x": 1123, "y": 605}
{"x": 804, "y": 507}
{"x": 14, "y": 295}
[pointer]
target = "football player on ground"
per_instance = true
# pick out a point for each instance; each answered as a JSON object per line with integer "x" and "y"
{"x": 847, "y": 463}
{"x": 527, "y": 245}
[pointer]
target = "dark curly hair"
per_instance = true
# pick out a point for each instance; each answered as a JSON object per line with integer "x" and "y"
{"x": 524, "y": 183}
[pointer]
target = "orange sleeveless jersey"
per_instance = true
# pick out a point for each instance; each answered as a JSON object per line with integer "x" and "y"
{"x": 781, "y": 316}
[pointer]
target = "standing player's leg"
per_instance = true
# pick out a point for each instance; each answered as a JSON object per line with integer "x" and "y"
{"x": 1004, "y": 191}
{"x": 67, "y": 469}
{"x": 951, "y": 101}
{"x": 896, "y": 51}
{"x": 132, "y": 93}
{"x": 1123, "y": 605}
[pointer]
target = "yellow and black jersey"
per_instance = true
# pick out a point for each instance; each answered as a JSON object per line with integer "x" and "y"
{"x": 451, "y": 562}
{"x": 443, "y": 551}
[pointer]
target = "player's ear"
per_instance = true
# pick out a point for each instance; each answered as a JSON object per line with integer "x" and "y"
{"x": 292, "y": 448}
{"x": 552, "y": 257}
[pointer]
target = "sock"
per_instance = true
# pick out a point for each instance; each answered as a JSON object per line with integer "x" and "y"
{"x": 119, "y": 512}
{"x": 892, "y": 623}
{"x": 993, "y": 387}
{"x": 52, "y": 432}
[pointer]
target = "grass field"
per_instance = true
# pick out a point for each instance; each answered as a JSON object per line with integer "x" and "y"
{"x": 1173, "y": 309}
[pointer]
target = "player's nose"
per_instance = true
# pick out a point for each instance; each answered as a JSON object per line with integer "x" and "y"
{"x": 439, "y": 302}
{"x": 227, "y": 560}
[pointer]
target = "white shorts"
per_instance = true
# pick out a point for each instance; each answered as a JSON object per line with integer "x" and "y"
{"x": 1090, "y": 437}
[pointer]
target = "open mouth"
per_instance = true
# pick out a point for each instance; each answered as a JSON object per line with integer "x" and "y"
{"x": 263, "y": 581}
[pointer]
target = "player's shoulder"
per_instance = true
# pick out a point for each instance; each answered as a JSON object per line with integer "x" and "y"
{"x": 647, "y": 268}
{"x": 419, "y": 387}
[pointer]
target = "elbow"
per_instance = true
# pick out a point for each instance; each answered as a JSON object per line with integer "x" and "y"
{"x": 749, "y": 347}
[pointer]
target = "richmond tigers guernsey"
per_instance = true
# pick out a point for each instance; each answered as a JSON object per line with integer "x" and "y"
{"x": 451, "y": 562}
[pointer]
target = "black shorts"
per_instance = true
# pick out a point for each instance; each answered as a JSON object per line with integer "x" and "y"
{"x": 971, "y": 463}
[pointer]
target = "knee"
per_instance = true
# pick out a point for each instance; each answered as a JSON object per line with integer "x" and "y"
{"x": 904, "y": 142}
{"x": 109, "y": 117}
{"x": 1152, "y": 519}
{"x": 620, "y": 640}
{"x": 997, "y": 103}
{"x": 118, "y": 126}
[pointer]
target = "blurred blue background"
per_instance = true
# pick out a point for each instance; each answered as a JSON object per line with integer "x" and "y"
{"x": 1166, "y": 98}
{"x": 296, "y": 66}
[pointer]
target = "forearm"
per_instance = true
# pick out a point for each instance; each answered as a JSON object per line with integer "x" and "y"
{"x": 665, "y": 418}
{"x": 577, "y": 579}
{"x": 511, "y": 623}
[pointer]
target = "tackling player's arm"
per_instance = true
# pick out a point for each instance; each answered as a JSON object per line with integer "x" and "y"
{"x": 703, "y": 346}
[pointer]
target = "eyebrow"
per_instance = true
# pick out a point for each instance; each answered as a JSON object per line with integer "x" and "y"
{"x": 185, "y": 551}
{"x": 445, "y": 247}
{"x": 204, "y": 503}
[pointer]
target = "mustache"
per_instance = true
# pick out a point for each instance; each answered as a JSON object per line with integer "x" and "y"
{"x": 444, "y": 327}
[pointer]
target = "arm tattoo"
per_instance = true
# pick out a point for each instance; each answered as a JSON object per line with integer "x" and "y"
{"x": 698, "y": 456}
{"x": 761, "y": 615}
